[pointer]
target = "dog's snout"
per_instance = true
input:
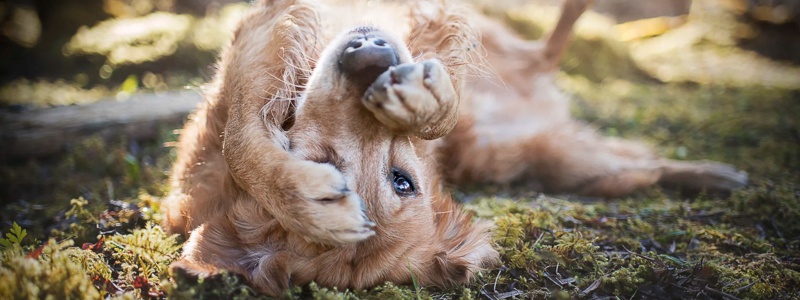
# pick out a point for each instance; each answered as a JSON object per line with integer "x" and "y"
{"x": 367, "y": 57}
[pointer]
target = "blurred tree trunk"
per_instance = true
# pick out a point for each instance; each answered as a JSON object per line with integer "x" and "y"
{"x": 48, "y": 131}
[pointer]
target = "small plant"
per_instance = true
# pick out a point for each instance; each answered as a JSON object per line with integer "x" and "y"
{"x": 49, "y": 272}
{"x": 81, "y": 219}
{"x": 13, "y": 237}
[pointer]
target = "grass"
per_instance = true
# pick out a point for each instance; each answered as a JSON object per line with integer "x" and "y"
{"x": 88, "y": 218}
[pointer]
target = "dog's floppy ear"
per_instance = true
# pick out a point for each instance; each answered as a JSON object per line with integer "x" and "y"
{"x": 466, "y": 249}
{"x": 464, "y": 245}
{"x": 458, "y": 263}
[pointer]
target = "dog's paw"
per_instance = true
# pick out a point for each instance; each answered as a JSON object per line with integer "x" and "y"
{"x": 414, "y": 98}
{"x": 704, "y": 175}
{"x": 327, "y": 211}
{"x": 721, "y": 177}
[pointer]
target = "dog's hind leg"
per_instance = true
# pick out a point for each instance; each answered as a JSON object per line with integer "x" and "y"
{"x": 576, "y": 159}
{"x": 573, "y": 158}
{"x": 559, "y": 39}
{"x": 613, "y": 167}
{"x": 565, "y": 157}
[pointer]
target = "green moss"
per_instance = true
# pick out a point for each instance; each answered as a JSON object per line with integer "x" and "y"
{"x": 776, "y": 205}
{"x": 54, "y": 274}
{"x": 221, "y": 286}
{"x": 93, "y": 172}
{"x": 625, "y": 281}
{"x": 758, "y": 276}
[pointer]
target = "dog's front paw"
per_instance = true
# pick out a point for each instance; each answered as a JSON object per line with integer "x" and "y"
{"x": 415, "y": 98}
{"x": 327, "y": 211}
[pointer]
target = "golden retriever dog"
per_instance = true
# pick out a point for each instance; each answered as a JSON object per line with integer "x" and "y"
{"x": 322, "y": 146}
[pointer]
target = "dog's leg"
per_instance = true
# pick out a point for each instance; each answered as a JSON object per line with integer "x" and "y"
{"x": 559, "y": 39}
{"x": 614, "y": 168}
{"x": 444, "y": 30}
{"x": 268, "y": 59}
{"x": 584, "y": 162}
{"x": 572, "y": 158}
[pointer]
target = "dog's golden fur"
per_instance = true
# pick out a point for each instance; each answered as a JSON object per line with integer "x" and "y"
{"x": 285, "y": 173}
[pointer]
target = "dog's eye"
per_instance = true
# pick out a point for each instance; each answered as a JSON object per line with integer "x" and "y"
{"x": 402, "y": 183}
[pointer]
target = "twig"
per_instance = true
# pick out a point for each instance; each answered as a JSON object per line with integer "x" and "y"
{"x": 744, "y": 288}
{"x": 494, "y": 288}
{"x": 557, "y": 282}
{"x": 647, "y": 258}
{"x": 537, "y": 240}
{"x": 596, "y": 284}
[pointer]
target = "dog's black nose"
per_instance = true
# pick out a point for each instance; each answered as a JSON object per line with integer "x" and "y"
{"x": 366, "y": 57}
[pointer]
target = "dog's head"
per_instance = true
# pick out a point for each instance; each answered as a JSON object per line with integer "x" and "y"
{"x": 332, "y": 126}
{"x": 417, "y": 224}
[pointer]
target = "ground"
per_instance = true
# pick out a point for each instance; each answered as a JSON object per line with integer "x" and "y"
{"x": 84, "y": 224}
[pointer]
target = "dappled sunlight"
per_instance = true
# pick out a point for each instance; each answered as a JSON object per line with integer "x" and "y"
{"x": 133, "y": 40}
{"x": 154, "y": 36}
{"x": 700, "y": 48}
{"x": 158, "y": 38}
{"x": 703, "y": 51}
{"x": 44, "y": 93}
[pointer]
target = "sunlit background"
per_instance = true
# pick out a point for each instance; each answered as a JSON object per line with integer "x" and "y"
{"x": 79, "y": 51}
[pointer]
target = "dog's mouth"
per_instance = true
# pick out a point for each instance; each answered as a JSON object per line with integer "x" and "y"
{"x": 366, "y": 57}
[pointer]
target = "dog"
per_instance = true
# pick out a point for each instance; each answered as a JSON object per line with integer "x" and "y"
{"x": 321, "y": 151}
